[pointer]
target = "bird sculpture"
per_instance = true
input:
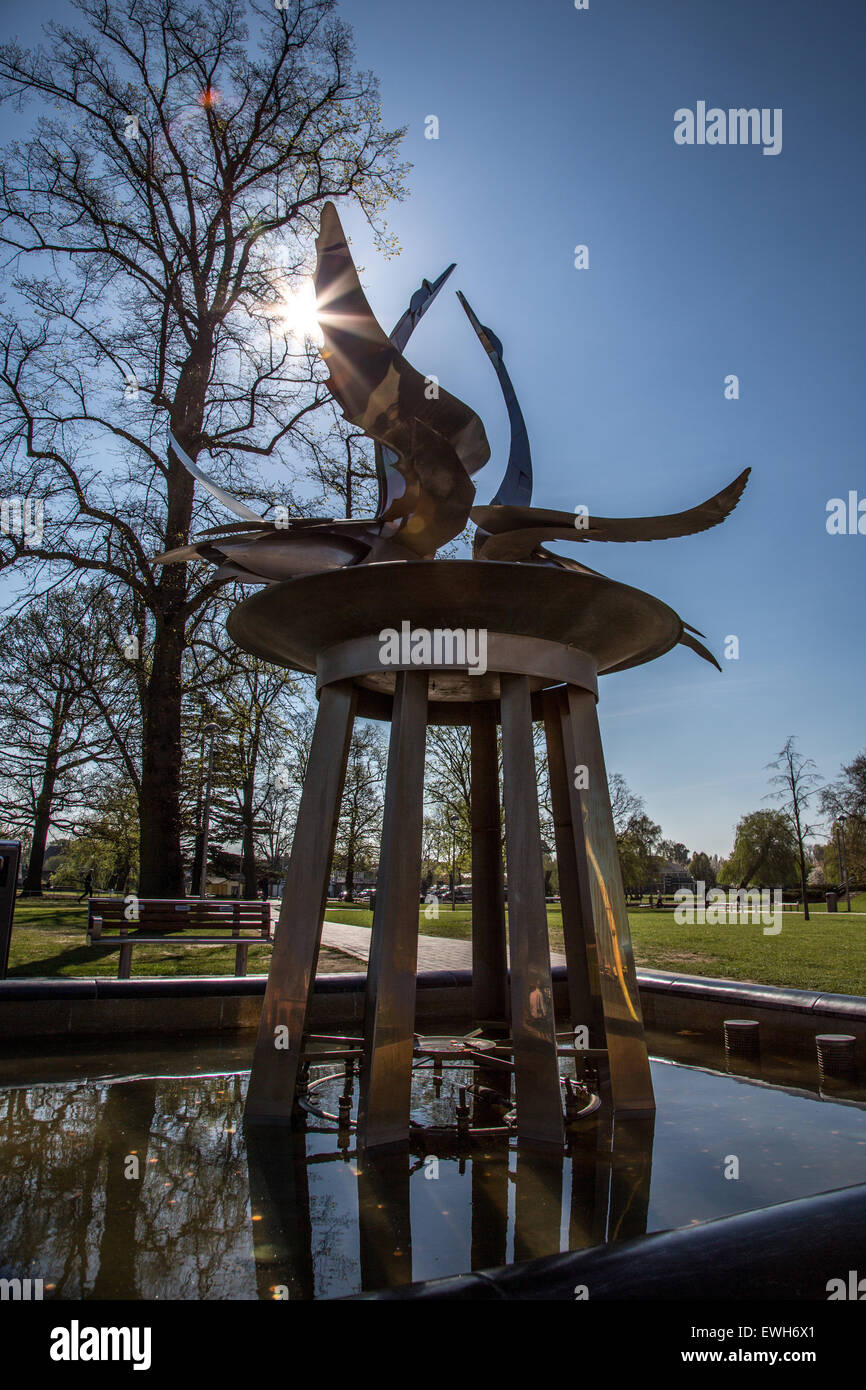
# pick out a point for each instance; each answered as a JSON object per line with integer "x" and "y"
{"x": 428, "y": 447}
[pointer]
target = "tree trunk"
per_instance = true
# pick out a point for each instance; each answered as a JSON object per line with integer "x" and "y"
{"x": 161, "y": 871}
{"x": 195, "y": 876}
{"x": 350, "y": 870}
{"x": 248, "y": 847}
{"x": 130, "y": 1110}
{"x": 121, "y": 873}
{"x": 198, "y": 848}
{"x": 32, "y": 885}
{"x": 803, "y": 885}
{"x": 799, "y": 831}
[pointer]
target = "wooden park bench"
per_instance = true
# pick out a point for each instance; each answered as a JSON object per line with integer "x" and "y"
{"x": 159, "y": 918}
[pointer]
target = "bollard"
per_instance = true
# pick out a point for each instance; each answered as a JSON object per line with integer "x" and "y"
{"x": 836, "y": 1054}
{"x": 10, "y": 855}
{"x": 742, "y": 1037}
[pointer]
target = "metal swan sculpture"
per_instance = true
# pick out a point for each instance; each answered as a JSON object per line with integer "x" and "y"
{"x": 428, "y": 446}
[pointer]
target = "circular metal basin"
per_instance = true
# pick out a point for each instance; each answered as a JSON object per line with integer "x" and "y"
{"x": 294, "y": 623}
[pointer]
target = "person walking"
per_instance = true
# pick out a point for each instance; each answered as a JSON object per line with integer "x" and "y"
{"x": 88, "y": 886}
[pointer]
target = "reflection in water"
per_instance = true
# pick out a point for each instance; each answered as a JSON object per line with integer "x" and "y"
{"x": 280, "y": 1212}
{"x": 151, "y": 1189}
{"x": 384, "y": 1221}
{"x": 132, "y": 1190}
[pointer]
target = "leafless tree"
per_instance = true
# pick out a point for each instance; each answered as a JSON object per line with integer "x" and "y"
{"x": 157, "y": 221}
{"x": 54, "y": 742}
{"x": 624, "y": 803}
{"x": 360, "y": 820}
{"x": 796, "y": 780}
{"x": 253, "y": 703}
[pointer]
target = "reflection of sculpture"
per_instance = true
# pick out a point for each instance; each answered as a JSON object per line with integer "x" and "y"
{"x": 552, "y": 626}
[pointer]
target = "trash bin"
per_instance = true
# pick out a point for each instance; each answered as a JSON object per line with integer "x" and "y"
{"x": 832, "y": 900}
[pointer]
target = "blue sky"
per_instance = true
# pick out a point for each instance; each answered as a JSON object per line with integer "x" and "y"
{"x": 556, "y": 128}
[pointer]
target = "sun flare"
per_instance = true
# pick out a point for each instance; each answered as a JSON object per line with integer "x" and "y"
{"x": 297, "y": 313}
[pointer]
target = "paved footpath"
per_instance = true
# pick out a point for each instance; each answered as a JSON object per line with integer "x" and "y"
{"x": 434, "y": 952}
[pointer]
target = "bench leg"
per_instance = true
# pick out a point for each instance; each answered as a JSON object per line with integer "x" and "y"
{"x": 241, "y": 960}
{"x": 124, "y": 964}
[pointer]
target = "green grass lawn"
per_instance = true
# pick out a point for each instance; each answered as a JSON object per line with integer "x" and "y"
{"x": 828, "y": 952}
{"x": 49, "y": 939}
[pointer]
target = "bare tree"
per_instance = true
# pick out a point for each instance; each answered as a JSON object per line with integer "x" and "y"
{"x": 448, "y": 793}
{"x": 54, "y": 742}
{"x": 360, "y": 820}
{"x": 279, "y": 810}
{"x": 157, "y": 222}
{"x": 106, "y": 838}
{"x": 844, "y": 801}
{"x": 624, "y": 803}
{"x": 796, "y": 782}
{"x": 253, "y": 702}
{"x": 283, "y": 769}
{"x": 449, "y": 779}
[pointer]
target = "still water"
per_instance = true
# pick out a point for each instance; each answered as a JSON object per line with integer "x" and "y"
{"x": 145, "y": 1185}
